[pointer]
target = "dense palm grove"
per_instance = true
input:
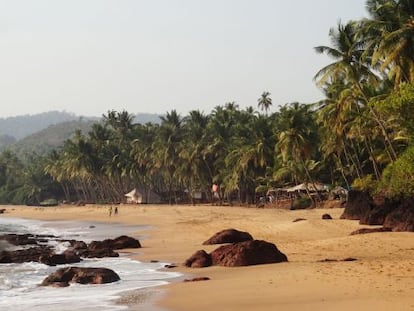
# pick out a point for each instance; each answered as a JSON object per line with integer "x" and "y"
{"x": 359, "y": 135}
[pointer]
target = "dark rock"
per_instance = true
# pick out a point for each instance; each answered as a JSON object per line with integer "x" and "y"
{"x": 370, "y": 230}
{"x": 402, "y": 217}
{"x": 77, "y": 245}
{"x": 64, "y": 276}
{"x": 228, "y": 236}
{"x": 19, "y": 239}
{"x": 2, "y": 210}
{"x": 125, "y": 242}
{"x": 170, "y": 266}
{"x": 118, "y": 243}
{"x": 202, "y": 278}
{"x": 326, "y": 216}
{"x": 247, "y": 253}
{"x": 358, "y": 205}
{"x": 298, "y": 219}
{"x": 25, "y": 255}
{"x": 376, "y": 216}
{"x": 97, "y": 253}
{"x": 336, "y": 260}
{"x": 199, "y": 259}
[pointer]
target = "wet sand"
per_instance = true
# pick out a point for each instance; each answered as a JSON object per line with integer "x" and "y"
{"x": 382, "y": 277}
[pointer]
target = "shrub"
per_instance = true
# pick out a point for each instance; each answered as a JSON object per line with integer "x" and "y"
{"x": 301, "y": 203}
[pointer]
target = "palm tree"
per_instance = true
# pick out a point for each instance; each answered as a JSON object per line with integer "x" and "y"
{"x": 264, "y": 102}
{"x": 348, "y": 66}
{"x": 389, "y": 34}
{"x": 297, "y": 138}
{"x": 166, "y": 147}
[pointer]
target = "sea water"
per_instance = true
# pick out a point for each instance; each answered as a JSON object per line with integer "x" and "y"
{"x": 19, "y": 288}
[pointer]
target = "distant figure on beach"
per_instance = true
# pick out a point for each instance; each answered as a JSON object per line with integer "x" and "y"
{"x": 110, "y": 211}
{"x": 116, "y": 210}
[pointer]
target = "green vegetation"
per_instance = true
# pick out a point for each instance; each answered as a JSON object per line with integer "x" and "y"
{"x": 359, "y": 134}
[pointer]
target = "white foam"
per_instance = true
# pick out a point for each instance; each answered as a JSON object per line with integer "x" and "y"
{"x": 19, "y": 288}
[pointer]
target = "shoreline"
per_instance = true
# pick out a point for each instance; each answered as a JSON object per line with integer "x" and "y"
{"x": 381, "y": 278}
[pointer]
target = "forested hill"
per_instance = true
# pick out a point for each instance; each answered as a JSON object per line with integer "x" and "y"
{"x": 40, "y": 133}
{"x": 50, "y": 138}
{"x": 21, "y": 126}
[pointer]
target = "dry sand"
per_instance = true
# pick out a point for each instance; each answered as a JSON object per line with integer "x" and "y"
{"x": 382, "y": 277}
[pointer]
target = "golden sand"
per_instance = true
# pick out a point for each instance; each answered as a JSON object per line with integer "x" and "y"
{"x": 382, "y": 277}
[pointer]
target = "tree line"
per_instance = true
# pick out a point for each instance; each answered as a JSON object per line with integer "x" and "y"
{"x": 359, "y": 135}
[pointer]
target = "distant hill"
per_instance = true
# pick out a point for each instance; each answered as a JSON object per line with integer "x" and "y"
{"x": 40, "y": 133}
{"x": 22, "y": 126}
{"x": 49, "y": 138}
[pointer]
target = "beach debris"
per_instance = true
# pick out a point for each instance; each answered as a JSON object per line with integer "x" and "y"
{"x": 2, "y": 210}
{"x": 337, "y": 260}
{"x": 326, "y": 216}
{"x": 298, "y": 219}
{"x": 202, "y": 278}
{"x": 229, "y": 236}
{"x": 247, "y": 253}
{"x": 64, "y": 276}
{"x": 199, "y": 259}
{"x": 370, "y": 230}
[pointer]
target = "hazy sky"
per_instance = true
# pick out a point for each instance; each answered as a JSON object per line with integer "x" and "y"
{"x": 91, "y": 56}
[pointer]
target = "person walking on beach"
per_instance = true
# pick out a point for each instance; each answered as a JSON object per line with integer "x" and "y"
{"x": 116, "y": 210}
{"x": 110, "y": 211}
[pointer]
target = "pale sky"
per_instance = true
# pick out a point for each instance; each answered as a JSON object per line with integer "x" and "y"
{"x": 91, "y": 56}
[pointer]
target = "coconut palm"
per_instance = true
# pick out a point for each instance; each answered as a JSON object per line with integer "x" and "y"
{"x": 264, "y": 102}
{"x": 389, "y": 34}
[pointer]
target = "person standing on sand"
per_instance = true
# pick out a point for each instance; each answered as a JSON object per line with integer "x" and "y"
{"x": 116, "y": 210}
{"x": 110, "y": 211}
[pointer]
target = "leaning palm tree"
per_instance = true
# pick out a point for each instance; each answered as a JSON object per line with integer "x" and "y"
{"x": 348, "y": 65}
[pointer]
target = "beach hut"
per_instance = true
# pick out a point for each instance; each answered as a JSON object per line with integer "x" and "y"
{"x": 136, "y": 196}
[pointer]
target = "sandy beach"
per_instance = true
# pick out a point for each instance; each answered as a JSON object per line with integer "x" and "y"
{"x": 382, "y": 277}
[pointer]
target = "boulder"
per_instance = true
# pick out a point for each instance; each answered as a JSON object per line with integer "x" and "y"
{"x": 199, "y": 259}
{"x": 402, "y": 217}
{"x": 228, "y": 236}
{"x": 376, "y": 216}
{"x": 97, "y": 253}
{"x": 19, "y": 239}
{"x": 358, "y": 205}
{"x": 124, "y": 241}
{"x": 326, "y": 216}
{"x": 64, "y": 276}
{"x": 25, "y": 255}
{"x": 117, "y": 243}
{"x": 67, "y": 257}
{"x": 247, "y": 253}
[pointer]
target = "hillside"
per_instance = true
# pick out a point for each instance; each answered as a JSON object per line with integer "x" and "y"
{"x": 41, "y": 133}
{"x": 15, "y": 128}
{"x": 50, "y": 138}
{"x": 22, "y": 126}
